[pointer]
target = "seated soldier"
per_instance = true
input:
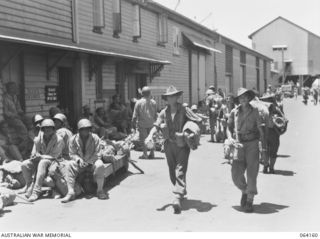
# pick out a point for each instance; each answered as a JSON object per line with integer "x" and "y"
{"x": 60, "y": 122}
{"x": 47, "y": 148}
{"x": 85, "y": 154}
{"x": 119, "y": 114}
{"x": 56, "y": 169}
{"x": 7, "y": 144}
{"x": 105, "y": 129}
{"x": 36, "y": 119}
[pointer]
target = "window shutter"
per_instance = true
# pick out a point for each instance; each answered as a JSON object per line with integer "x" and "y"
{"x": 98, "y": 13}
{"x": 116, "y": 14}
{"x": 163, "y": 28}
{"x": 136, "y": 21}
{"x": 175, "y": 35}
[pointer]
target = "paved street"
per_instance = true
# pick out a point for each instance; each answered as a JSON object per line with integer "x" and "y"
{"x": 287, "y": 201}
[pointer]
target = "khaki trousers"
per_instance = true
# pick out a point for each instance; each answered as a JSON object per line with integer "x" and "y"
{"x": 177, "y": 159}
{"x": 248, "y": 162}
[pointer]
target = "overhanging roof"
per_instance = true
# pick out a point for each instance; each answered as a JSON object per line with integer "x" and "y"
{"x": 198, "y": 42}
{"x": 86, "y": 48}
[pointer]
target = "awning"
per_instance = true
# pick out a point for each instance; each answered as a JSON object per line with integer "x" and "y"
{"x": 86, "y": 48}
{"x": 198, "y": 42}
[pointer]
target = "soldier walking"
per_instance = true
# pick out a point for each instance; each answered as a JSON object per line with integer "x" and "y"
{"x": 244, "y": 130}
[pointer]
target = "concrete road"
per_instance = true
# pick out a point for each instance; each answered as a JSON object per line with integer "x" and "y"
{"x": 287, "y": 201}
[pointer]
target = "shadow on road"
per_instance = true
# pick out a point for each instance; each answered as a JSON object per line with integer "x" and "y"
{"x": 188, "y": 204}
{"x": 264, "y": 208}
{"x": 283, "y": 156}
{"x": 284, "y": 172}
{"x": 4, "y": 212}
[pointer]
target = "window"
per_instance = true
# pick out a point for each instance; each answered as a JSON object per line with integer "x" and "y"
{"x": 136, "y": 22}
{"x": 98, "y": 15}
{"x": 229, "y": 60}
{"x": 116, "y": 17}
{"x": 176, "y": 40}
{"x": 243, "y": 68}
{"x": 258, "y": 73}
{"x": 162, "y": 29}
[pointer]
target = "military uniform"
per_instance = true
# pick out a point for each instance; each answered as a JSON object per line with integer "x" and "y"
{"x": 177, "y": 155}
{"x": 90, "y": 153}
{"x": 246, "y": 130}
{"x": 273, "y": 138}
{"x": 211, "y": 102}
{"x": 12, "y": 110}
{"x": 41, "y": 164}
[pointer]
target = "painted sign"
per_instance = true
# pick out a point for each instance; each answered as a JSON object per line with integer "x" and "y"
{"x": 51, "y": 94}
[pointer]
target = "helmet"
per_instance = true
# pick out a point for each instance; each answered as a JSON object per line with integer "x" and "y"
{"x": 194, "y": 107}
{"x": 37, "y": 119}
{"x": 60, "y": 117}
{"x": 209, "y": 92}
{"x": 84, "y": 123}
{"x": 47, "y": 123}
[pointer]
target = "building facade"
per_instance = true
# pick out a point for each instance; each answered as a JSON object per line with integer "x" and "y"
{"x": 70, "y": 53}
{"x": 299, "y": 60}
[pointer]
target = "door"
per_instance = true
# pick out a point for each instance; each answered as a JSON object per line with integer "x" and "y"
{"x": 66, "y": 95}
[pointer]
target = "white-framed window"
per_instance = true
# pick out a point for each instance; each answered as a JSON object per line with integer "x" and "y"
{"x": 162, "y": 29}
{"x": 116, "y": 17}
{"x": 136, "y": 22}
{"x": 98, "y": 15}
{"x": 176, "y": 40}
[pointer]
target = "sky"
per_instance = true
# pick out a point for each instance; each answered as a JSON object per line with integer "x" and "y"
{"x": 237, "y": 19}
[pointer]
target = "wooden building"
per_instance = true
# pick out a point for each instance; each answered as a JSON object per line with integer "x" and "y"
{"x": 301, "y": 58}
{"x": 71, "y": 53}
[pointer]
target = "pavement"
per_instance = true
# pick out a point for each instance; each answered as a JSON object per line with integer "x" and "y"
{"x": 287, "y": 201}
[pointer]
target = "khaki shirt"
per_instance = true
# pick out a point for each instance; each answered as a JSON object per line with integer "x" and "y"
{"x": 90, "y": 153}
{"x": 182, "y": 115}
{"x": 245, "y": 123}
{"x": 53, "y": 148}
{"x": 145, "y": 111}
{"x": 66, "y": 135}
{"x": 11, "y": 106}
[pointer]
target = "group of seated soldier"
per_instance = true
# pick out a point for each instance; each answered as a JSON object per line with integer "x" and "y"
{"x": 48, "y": 154}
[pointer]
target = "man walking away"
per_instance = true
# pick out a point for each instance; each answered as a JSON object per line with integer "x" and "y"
{"x": 144, "y": 116}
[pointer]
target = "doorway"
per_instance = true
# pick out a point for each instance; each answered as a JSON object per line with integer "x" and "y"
{"x": 66, "y": 97}
{"x": 134, "y": 83}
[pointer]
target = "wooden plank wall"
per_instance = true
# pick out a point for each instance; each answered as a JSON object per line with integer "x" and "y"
{"x": 176, "y": 73}
{"x": 35, "y": 73}
{"x": 47, "y": 18}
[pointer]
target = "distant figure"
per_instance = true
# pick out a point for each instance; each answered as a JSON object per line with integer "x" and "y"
{"x": 315, "y": 94}
{"x": 12, "y": 110}
{"x": 144, "y": 116}
{"x": 220, "y": 92}
{"x": 118, "y": 114}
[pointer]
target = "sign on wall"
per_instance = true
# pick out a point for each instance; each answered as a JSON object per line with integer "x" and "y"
{"x": 51, "y": 94}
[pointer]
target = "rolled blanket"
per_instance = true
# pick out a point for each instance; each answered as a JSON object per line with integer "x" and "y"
{"x": 7, "y": 197}
{"x": 12, "y": 167}
{"x": 192, "y": 134}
